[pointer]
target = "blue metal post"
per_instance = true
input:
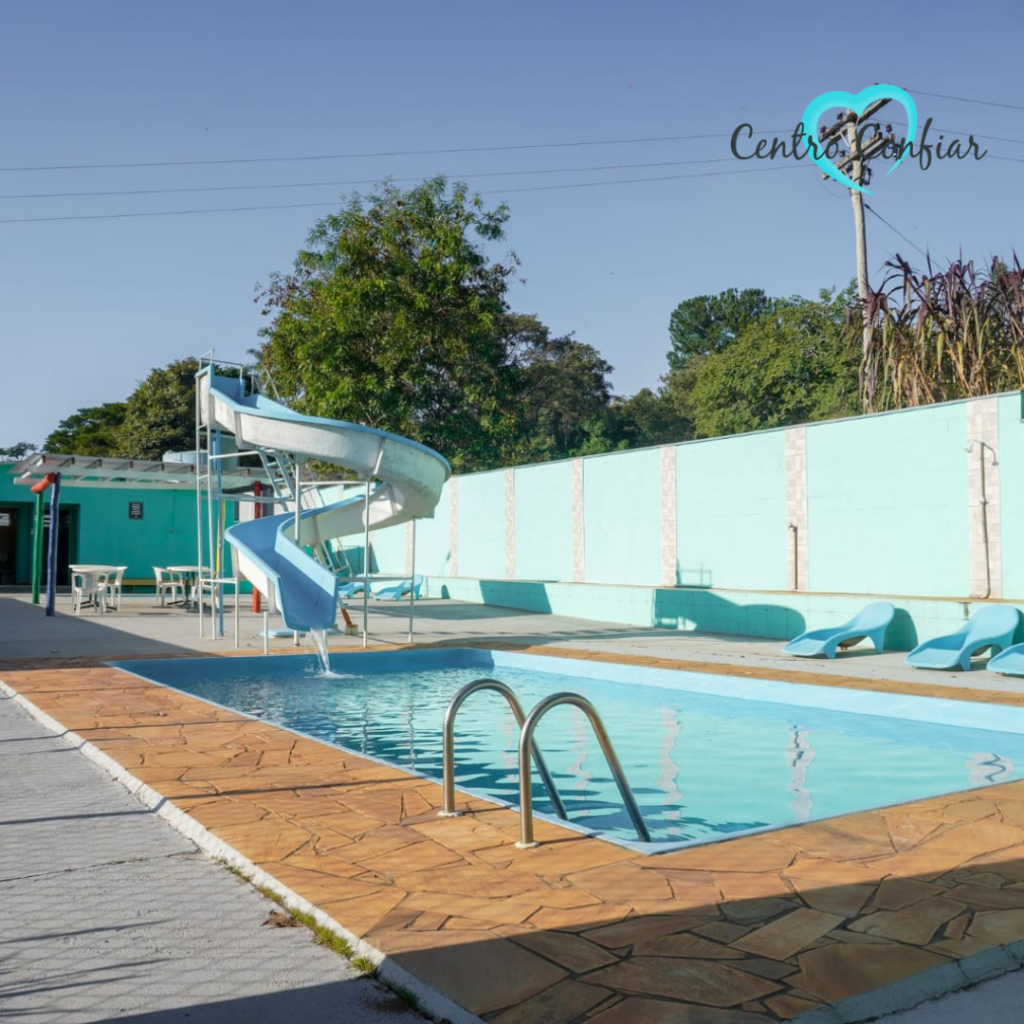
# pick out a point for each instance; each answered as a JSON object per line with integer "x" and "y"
{"x": 51, "y": 554}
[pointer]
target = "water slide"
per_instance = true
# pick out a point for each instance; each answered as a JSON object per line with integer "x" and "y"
{"x": 267, "y": 552}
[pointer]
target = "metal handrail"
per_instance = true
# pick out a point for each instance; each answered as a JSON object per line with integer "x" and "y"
{"x": 526, "y": 747}
{"x": 449, "y": 811}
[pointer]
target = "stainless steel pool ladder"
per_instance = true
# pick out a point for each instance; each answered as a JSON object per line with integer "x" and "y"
{"x": 508, "y": 693}
{"x": 528, "y": 748}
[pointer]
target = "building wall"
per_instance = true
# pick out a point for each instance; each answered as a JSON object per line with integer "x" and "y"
{"x": 166, "y": 535}
{"x": 759, "y": 534}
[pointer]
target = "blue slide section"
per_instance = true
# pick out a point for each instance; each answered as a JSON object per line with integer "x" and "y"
{"x": 306, "y": 592}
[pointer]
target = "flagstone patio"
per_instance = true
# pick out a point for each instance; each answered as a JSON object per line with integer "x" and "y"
{"x": 757, "y": 928}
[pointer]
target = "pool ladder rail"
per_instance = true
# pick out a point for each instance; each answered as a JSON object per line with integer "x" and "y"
{"x": 527, "y": 750}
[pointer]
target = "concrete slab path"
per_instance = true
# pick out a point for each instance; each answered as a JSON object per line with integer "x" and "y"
{"x": 107, "y": 913}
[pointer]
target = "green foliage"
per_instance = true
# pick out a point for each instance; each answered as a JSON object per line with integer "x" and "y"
{"x": 92, "y": 431}
{"x": 707, "y": 324}
{"x": 563, "y": 392}
{"x": 648, "y": 418}
{"x": 16, "y": 452}
{"x": 794, "y": 365}
{"x": 160, "y": 414}
{"x": 393, "y": 317}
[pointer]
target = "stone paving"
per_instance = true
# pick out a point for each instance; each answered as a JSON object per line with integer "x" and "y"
{"x": 110, "y": 913}
{"x": 758, "y": 928}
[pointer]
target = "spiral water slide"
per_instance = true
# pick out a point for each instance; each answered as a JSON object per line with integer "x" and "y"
{"x": 267, "y": 552}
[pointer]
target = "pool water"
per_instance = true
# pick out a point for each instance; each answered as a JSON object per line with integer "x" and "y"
{"x": 707, "y": 757}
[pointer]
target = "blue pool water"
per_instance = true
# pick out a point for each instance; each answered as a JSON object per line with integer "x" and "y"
{"x": 708, "y": 757}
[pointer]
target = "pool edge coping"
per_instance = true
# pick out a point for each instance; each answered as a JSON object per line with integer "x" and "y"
{"x": 433, "y": 1002}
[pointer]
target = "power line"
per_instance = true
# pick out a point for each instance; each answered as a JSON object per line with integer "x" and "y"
{"x": 385, "y": 153}
{"x": 299, "y": 206}
{"x": 359, "y": 181}
{"x": 108, "y": 193}
{"x": 966, "y": 99}
{"x": 893, "y": 228}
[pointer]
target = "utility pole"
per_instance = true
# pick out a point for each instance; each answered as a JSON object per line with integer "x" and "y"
{"x": 855, "y": 165}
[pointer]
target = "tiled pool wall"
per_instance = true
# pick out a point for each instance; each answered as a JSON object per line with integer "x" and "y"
{"x": 756, "y": 534}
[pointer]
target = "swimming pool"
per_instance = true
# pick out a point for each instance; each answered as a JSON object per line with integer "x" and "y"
{"x": 708, "y": 757}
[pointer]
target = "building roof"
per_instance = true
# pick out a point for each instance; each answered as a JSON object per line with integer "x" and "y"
{"x": 92, "y": 471}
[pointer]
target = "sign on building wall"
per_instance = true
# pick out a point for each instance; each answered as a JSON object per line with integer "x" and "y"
{"x": 134, "y": 509}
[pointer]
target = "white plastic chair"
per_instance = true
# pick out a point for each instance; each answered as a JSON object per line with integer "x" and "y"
{"x": 168, "y": 582}
{"x": 115, "y": 585}
{"x": 89, "y": 588}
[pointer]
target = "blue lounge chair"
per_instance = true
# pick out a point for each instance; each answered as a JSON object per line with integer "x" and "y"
{"x": 1009, "y": 662}
{"x": 399, "y": 590}
{"x": 871, "y": 622}
{"x": 993, "y": 627}
{"x": 351, "y": 589}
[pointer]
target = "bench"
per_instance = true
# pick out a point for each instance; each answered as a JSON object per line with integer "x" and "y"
{"x": 131, "y": 585}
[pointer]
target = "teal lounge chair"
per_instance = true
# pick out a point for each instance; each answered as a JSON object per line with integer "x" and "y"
{"x": 351, "y": 589}
{"x": 399, "y": 590}
{"x": 871, "y": 622}
{"x": 993, "y": 627}
{"x": 1009, "y": 662}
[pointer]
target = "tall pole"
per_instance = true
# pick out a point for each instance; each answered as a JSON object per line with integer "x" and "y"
{"x": 366, "y": 564}
{"x": 257, "y": 513}
{"x": 51, "y": 555}
{"x": 37, "y": 548}
{"x": 856, "y": 173}
{"x": 857, "y": 198}
{"x": 855, "y": 166}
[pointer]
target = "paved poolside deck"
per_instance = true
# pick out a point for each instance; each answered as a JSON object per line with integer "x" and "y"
{"x": 759, "y": 928}
{"x": 109, "y": 912}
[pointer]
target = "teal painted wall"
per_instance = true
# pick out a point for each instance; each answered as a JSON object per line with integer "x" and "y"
{"x": 1010, "y": 454}
{"x": 747, "y": 613}
{"x": 434, "y": 539}
{"x": 543, "y": 522}
{"x": 887, "y": 503}
{"x": 166, "y": 535}
{"x": 481, "y": 515}
{"x": 731, "y": 512}
{"x": 622, "y": 517}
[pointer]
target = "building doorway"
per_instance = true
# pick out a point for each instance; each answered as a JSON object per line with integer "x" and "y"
{"x": 8, "y": 545}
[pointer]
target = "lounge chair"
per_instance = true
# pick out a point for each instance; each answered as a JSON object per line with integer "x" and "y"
{"x": 399, "y": 590}
{"x": 351, "y": 589}
{"x": 993, "y": 627}
{"x": 871, "y": 622}
{"x": 1009, "y": 662}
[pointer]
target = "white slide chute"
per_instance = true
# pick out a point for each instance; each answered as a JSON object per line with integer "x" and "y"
{"x": 409, "y": 480}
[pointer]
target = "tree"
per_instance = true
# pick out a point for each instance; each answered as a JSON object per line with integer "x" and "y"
{"x": 16, "y": 452}
{"x": 91, "y": 431}
{"x": 564, "y": 390}
{"x": 793, "y": 366}
{"x": 393, "y": 316}
{"x": 160, "y": 414}
{"x": 708, "y": 324}
{"x": 649, "y": 418}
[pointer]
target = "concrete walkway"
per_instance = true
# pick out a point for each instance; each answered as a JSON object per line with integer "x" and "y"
{"x": 141, "y": 628}
{"x": 108, "y": 913}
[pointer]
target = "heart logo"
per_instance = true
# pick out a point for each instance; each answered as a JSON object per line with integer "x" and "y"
{"x": 858, "y": 104}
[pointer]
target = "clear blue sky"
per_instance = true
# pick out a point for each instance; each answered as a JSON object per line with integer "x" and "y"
{"x": 89, "y": 306}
